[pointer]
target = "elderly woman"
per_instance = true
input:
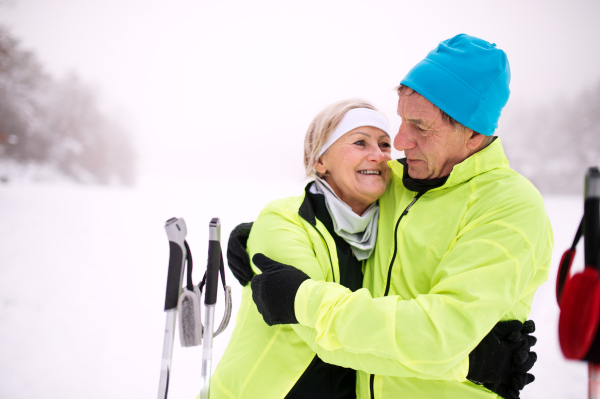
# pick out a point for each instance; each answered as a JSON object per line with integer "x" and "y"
{"x": 326, "y": 232}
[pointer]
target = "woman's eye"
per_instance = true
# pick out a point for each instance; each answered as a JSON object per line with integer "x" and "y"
{"x": 360, "y": 142}
{"x": 385, "y": 145}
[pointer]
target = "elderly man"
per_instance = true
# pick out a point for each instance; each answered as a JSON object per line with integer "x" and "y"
{"x": 464, "y": 241}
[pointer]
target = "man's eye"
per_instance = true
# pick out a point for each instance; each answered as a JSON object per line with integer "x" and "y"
{"x": 422, "y": 131}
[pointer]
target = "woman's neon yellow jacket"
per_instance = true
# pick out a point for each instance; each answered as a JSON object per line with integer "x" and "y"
{"x": 445, "y": 270}
{"x": 262, "y": 361}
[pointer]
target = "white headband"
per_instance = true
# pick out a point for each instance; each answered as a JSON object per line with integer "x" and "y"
{"x": 354, "y": 118}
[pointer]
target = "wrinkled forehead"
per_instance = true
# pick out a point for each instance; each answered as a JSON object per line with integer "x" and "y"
{"x": 415, "y": 108}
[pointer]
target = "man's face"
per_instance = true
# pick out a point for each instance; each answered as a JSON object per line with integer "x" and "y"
{"x": 431, "y": 145}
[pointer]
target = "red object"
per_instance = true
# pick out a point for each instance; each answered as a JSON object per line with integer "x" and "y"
{"x": 580, "y": 313}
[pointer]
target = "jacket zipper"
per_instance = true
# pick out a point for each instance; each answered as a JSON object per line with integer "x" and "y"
{"x": 389, "y": 276}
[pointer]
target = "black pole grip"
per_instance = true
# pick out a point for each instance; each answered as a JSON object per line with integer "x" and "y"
{"x": 212, "y": 272}
{"x": 173, "y": 276}
{"x": 591, "y": 218}
{"x": 591, "y": 231}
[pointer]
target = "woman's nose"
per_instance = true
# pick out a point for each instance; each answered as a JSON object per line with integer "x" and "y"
{"x": 404, "y": 140}
{"x": 376, "y": 155}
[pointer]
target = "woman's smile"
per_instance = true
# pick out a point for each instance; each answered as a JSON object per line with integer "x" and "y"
{"x": 355, "y": 166}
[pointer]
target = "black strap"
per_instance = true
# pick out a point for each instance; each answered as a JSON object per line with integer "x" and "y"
{"x": 564, "y": 268}
{"x": 190, "y": 266}
{"x": 221, "y": 272}
{"x": 578, "y": 234}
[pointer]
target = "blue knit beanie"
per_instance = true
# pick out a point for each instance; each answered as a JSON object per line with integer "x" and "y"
{"x": 467, "y": 78}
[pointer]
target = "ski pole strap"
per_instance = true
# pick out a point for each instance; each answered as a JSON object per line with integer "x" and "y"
{"x": 190, "y": 266}
{"x": 221, "y": 271}
{"x": 228, "y": 307}
{"x": 227, "y": 314}
{"x": 226, "y": 292}
{"x": 578, "y": 235}
{"x": 566, "y": 262}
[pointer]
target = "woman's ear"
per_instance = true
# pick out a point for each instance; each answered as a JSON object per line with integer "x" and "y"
{"x": 320, "y": 167}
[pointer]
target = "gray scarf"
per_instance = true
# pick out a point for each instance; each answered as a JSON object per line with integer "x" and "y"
{"x": 360, "y": 232}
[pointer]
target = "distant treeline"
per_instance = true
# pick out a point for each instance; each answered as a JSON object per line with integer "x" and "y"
{"x": 553, "y": 145}
{"x": 56, "y": 124}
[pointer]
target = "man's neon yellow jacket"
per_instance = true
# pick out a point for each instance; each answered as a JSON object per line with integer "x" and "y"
{"x": 266, "y": 362}
{"x": 447, "y": 267}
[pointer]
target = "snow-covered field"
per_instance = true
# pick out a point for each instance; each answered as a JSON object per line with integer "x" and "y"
{"x": 82, "y": 280}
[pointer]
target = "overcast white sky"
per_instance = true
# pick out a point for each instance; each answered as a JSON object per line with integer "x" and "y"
{"x": 227, "y": 89}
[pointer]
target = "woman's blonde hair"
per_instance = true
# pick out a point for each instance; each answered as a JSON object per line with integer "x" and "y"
{"x": 321, "y": 128}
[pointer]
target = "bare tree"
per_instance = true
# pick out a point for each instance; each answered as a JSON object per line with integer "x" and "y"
{"x": 57, "y": 123}
{"x": 553, "y": 145}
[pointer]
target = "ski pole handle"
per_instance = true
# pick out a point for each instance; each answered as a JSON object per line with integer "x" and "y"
{"x": 210, "y": 299}
{"x": 214, "y": 262}
{"x": 591, "y": 235}
{"x": 591, "y": 223}
{"x": 176, "y": 232}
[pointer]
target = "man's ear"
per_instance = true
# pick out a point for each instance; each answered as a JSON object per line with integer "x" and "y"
{"x": 475, "y": 140}
{"x": 320, "y": 167}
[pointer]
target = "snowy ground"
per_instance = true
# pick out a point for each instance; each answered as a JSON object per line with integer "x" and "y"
{"x": 83, "y": 273}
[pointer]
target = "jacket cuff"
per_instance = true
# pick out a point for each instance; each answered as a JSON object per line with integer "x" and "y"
{"x": 301, "y": 301}
{"x": 461, "y": 370}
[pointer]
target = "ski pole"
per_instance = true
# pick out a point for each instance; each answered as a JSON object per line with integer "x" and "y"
{"x": 591, "y": 235}
{"x": 176, "y": 232}
{"x": 210, "y": 299}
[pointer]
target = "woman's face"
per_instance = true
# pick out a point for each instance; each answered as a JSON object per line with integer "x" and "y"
{"x": 356, "y": 166}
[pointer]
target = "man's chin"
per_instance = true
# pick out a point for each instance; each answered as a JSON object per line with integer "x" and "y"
{"x": 415, "y": 173}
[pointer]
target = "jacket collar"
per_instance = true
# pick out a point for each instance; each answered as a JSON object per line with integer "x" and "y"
{"x": 490, "y": 158}
{"x": 418, "y": 185}
{"x": 306, "y": 210}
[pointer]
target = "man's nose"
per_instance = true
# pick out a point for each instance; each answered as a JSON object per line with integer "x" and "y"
{"x": 404, "y": 140}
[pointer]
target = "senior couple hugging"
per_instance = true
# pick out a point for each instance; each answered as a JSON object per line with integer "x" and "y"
{"x": 387, "y": 278}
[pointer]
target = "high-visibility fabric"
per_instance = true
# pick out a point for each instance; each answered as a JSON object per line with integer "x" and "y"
{"x": 263, "y": 361}
{"x": 466, "y": 255}
{"x": 266, "y": 362}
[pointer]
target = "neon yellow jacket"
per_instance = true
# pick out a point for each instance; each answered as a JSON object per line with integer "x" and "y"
{"x": 266, "y": 362}
{"x": 466, "y": 255}
{"x": 262, "y": 361}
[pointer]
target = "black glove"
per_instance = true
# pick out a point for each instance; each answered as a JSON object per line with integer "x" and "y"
{"x": 502, "y": 359}
{"x": 274, "y": 290}
{"x": 237, "y": 257}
